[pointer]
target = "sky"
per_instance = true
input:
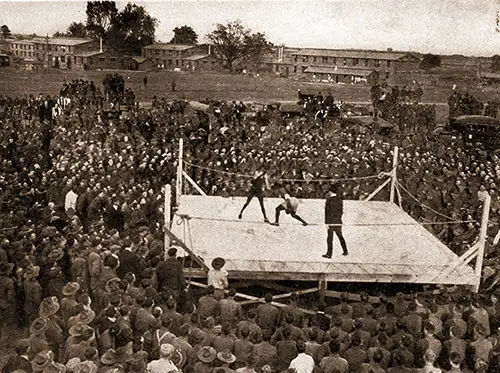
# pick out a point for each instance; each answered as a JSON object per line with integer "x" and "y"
{"x": 429, "y": 26}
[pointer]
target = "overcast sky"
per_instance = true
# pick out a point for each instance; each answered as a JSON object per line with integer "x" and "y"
{"x": 435, "y": 26}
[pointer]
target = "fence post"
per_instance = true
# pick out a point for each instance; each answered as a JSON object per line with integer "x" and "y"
{"x": 178, "y": 191}
{"x": 482, "y": 240}
{"x": 394, "y": 173}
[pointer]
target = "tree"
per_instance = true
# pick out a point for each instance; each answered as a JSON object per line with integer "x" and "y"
{"x": 184, "y": 35}
{"x": 77, "y": 30}
{"x": 233, "y": 42}
{"x": 429, "y": 61}
{"x": 100, "y": 17}
{"x": 5, "y": 32}
{"x": 132, "y": 29}
{"x": 495, "y": 63}
{"x": 256, "y": 46}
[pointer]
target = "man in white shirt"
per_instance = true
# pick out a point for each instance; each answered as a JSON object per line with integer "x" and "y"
{"x": 163, "y": 364}
{"x": 303, "y": 363}
{"x": 70, "y": 200}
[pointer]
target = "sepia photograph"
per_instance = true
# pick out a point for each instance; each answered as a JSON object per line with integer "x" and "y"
{"x": 250, "y": 186}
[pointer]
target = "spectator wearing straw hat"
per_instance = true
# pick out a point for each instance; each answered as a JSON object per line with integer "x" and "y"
{"x": 226, "y": 358}
{"x": 206, "y": 356}
{"x": 217, "y": 278}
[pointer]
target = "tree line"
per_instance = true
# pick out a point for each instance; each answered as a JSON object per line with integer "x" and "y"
{"x": 129, "y": 30}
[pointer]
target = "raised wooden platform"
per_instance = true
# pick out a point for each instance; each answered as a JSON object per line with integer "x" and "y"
{"x": 385, "y": 244}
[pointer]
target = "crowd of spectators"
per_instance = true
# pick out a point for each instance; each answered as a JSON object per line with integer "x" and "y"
{"x": 82, "y": 258}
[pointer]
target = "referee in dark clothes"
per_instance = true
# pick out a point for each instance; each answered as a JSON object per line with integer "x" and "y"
{"x": 334, "y": 208}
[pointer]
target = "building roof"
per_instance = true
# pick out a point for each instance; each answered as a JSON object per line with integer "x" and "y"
{"x": 340, "y": 53}
{"x": 169, "y": 46}
{"x": 338, "y": 71}
{"x": 139, "y": 59}
{"x": 20, "y": 41}
{"x": 88, "y": 54}
{"x": 195, "y": 57}
{"x": 62, "y": 41}
{"x": 491, "y": 75}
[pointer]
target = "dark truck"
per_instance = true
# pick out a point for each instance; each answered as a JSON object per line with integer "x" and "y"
{"x": 473, "y": 130}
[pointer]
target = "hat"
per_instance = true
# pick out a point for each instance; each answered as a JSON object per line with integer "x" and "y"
{"x": 172, "y": 251}
{"x": 114, "y": 280}
{"x": 143, "y": 229}
{"x": 49, "y": 231}
{"x": 38, "y": 326}
{"x": 78, "y": 329}
{"x": 42, "y": 360}
{"x": 124, "y": 354}
{"x": 258, "y": 174}
{"x": 55, "y": 368}
{"x": 6, "y": 268}
{"x": 226, "y": 357}
{"x": 73, "y": 363}
{"x": 32, "y": 272}
{"x": 86, "y": 367}
{"x": 218, "y": 263}
{"x": 166, "y": 350}
{"x": 55, "y": 255}
{"x": 109, "y": 357}
{"x": 139, "y": 356}
{"x": 70, "y": 288}
{"x": 207, "y": 354}
{"x": 197, "y": 336}
{"x": 86, "y": 316}
{"x": 49, "y": 306}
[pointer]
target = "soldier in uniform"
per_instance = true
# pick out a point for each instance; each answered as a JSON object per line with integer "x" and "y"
{"x": 33, "y": 293}
{"x": 7, "y": 296}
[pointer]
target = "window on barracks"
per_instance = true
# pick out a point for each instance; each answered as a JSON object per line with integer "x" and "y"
{"x": 388, "y": 63}
{"x": 377, "y": 63}
{"x": 305, "y": 58}
{"x": 366, "y": 61}
{"x": 345, "y": 62}
{"x": 325, "y": 59}
{"x": 314, "y": 59}
{"x": 355, "y": 61}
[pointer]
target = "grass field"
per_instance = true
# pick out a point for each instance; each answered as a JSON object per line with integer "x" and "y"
{"x": 194, "y": 86}
{"x": 198, "y": 86}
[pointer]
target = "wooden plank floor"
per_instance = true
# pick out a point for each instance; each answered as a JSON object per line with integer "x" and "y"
{"x": 385, "y": 244}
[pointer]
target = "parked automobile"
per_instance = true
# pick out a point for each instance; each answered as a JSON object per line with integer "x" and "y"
{"x": 473, "y": 130}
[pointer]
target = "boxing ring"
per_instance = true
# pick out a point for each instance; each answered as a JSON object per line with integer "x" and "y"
{"x": 385, "y": 244}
